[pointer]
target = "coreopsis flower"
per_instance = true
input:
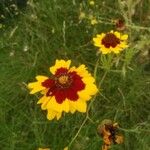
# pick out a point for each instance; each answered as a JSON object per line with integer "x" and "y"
{"x": 112, "y": 41}
{"x": 67, "y": 90}
{"x": 109, "y": 132}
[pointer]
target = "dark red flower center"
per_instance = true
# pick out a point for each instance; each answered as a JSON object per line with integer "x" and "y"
{"x": 64, "y": 85}
{"x": 63, "y": 81}
{"x": 110, "y": 40}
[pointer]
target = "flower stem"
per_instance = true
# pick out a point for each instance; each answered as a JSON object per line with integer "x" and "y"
{"x": 90, "y": 104}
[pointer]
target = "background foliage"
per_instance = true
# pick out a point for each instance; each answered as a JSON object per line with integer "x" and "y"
{"x": 34, "y": 35}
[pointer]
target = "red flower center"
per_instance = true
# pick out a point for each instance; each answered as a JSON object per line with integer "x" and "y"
{"x": 64, "y": 85}
{"x": 110, "y": 40}
{"x": 63, "y": 81}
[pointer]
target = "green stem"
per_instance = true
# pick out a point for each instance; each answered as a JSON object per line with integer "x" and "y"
{"x": 88, "y": 109}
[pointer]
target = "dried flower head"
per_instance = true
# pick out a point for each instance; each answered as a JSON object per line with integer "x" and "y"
{"x": 120, "y": 24}
{"x": 108, "y": 130}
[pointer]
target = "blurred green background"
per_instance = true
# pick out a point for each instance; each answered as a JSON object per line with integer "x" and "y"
{"x": 35, "y": 33}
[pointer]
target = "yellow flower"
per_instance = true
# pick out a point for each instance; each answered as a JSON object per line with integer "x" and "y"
{"x": 93, "y": 21}
{"x": 92, "y": 3}
{"x": 66, "y": 148}
{"x": 82, "y": 15}
{"x": 112, "y": 41}
{"x": 67, "y": 90}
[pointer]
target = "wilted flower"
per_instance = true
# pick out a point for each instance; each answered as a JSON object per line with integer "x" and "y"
{"x": 111, "y": 42}
{"x": 66, "y": 90}
{"x": 109, "y": 132}
{"x": 120, "y": 25}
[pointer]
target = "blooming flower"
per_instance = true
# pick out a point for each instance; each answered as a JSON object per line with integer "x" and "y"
{"x": 92, "y": 2}
{"x": 66, "y": 90}
{"x": 109, "y": 132}
{"x": 94, "y": 21}
{"x": 111, "y": 42}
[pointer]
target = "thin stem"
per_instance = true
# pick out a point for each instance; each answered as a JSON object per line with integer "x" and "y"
{"x": 76, "y": 135}
{"x": 102, "y": 80}
{"x": 90, "y": 104}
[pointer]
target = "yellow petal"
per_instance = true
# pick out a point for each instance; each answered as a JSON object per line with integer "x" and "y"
{"x": 72, "y": 108}
{"x": 51, "y": 115}
{"x": 89, "y": 90}
{"x": 58, "y": 116}
{"x": 59, "y": 64}
{"x": 81, "y": 71}
{"x": 88, "y": 80}
{"x": 117, "y": 34}
{"x": 35, "y": 87}
{"x": 105, "y": 50}
{"x": 117, "y": 49}
{"x": 123, "y": 45}
{"x": 52, "y": 104}
{"x": 45, "y": 102}
{"x": 79, "y": 105}
{"x": 84, "y": 96}
{"x": 43, "y": 99}
{"x": 124, "y": 37}
{"x": 41, "y": 78}
{"x": 101, "y": 35}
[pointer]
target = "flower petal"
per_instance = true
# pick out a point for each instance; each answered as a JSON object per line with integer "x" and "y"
{"x": 79, "y": 105}
{"x": 53, "y": 105}
{"x": 51, "y": 114}
{"x": 124, "y": 37}
{"x": 37, "y": 86}
{"x": 59, "y": 64}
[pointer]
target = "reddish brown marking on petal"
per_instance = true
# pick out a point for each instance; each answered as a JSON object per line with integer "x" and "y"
{"x": 61, "y": 71}
{"x": 72, "y": 95}
{"x": 77, "y": 82}
{"x": 60, "y": 96}
{"x": 48, "y": 83}
{"x": 110, "y": 40}
{"x": 64, "y": 85}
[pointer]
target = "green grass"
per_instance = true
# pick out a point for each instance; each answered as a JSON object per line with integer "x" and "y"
{"x": 51, "y": 29}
